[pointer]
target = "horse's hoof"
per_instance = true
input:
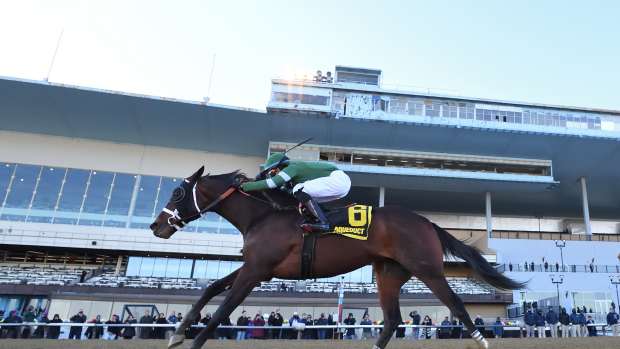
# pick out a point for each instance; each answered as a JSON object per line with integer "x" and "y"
{"x": 375, "y": 347}
{"x": 483, "y": 344}
{"x": 175, "y": 340}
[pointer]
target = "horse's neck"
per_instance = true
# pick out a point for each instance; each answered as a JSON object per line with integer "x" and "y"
{"x": 242, "y": 211}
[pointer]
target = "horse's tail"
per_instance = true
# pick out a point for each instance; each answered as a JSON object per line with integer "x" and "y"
{"x": 482, "y": 269}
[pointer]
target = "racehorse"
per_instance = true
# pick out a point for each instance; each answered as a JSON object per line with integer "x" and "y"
{"x": 400, "y": 244}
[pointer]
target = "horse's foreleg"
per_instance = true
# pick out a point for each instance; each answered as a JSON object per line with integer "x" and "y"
{"x": 244, "y": 283}
{"x": 211, "y": 291}
{"x": 390, "y": 278}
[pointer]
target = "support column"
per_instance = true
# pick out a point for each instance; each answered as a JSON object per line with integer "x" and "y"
{"x": 132, "y": 203}
{"x": 381, "y": 196}
{"x": 489, "y": 215}
{"x": 586, "y": 209}
{"x": 119, "y": 263}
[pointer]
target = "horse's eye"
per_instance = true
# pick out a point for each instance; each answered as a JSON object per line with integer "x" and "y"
{"x": 178, "y": 194}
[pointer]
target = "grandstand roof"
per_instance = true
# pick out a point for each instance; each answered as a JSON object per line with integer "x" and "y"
{"x": 36, "y": 107}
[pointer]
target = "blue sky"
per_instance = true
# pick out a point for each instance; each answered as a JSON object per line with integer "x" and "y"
{"x": 557, "y": 52}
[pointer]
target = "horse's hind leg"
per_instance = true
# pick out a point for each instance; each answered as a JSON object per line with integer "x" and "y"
{"x": 213, "y": 290}
{"x": 442, "y": 290}
{"x": 390, "y": 278}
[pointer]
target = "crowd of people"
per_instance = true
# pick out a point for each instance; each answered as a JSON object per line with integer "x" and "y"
{"x": 535, "y": 324}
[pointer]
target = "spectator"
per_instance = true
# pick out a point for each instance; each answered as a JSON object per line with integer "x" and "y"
{"x": 129, "y": 332}
{"x": 329, "y": 77}
{"x": 146, "y": 332}
{"x": 510, "y": 266}
{"x": 40, "y": 331}
{"x": 582, "y": 322}
{"x": 330, "y": 322}
{"x": 498, "y": 329}
{"x": 13, "y": 318}
{"x": 530, "y": 321}
{"x": 350, "y": 332}
{"x": 552, "y": 321}
{"x": 172, "y": 318}
{"x": 225, "y": 333}
{"x": 526, "y": 268}
{"x": 574, "y": 322}
{"x": 613, "y": 321}
{"x": 53, "y": 332}
{"x": 444, "y": 332}
{"x": 557, "y": 267}
{"x": 243, "y": 320}
{"x": 426, "y": 331}
{"x": 283, "y": 287}
{"x": 83, "y": 276}
{"x": 179, "y": 317}
{"x": 321, "y": 321}
{"x": 366, "y": 332}
{"x": 532, "y": 266}
{"x": 95, "y": 332}
{"x": 275, "y": 319}
{"x": 160, "y": 332}
{"x": 479, "y": 324}
{"x": 400, "y": 331}
{"x": 308, "y": 333}
{"x": 76, "y": 331}
{"x": 591, "y": 327}
{"x": 540, "y": 323}
{"x": 457, "y": 330}
{"x": 28, "y": 316}
{"x": 259, "y": 323}
{"x": 113, "y": 332}
{"x": 415, "y": 320}
{"x": 546, "y": 266}
{"x": 565, "y": 321}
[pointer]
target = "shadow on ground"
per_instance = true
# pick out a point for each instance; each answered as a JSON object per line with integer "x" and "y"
{"x": 598, "y": 343}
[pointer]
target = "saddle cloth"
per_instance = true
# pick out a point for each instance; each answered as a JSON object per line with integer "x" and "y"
{"x": 352, "y": 221}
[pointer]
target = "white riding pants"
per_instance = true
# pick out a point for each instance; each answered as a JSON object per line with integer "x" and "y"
{"x": 324, "y": 189}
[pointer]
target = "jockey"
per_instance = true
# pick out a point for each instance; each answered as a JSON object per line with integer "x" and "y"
{"x": 312, "y": 182}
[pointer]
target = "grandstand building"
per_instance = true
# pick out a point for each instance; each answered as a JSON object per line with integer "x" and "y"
{"x": 83, "y": 172}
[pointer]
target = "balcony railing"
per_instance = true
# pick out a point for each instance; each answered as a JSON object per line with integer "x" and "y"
{"x": 536, "y": 235}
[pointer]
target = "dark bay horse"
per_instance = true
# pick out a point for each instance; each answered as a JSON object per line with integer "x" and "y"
{"x": 401, "y": 244}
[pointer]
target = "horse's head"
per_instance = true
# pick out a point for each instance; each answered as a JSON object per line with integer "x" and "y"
{"x": 193, "y": 197}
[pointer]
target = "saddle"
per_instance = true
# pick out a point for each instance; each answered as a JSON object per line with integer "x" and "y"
{"x": 351, "y": 221}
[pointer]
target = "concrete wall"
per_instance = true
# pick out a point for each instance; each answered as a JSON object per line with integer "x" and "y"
{"x": 36, "y": 149}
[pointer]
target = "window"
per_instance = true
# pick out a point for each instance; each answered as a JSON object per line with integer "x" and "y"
{"x": 165, "y": 192}
{"x": 398, "y": 105}
{"x": 46, "y": 197}
{"x": 432, "y": 108}
{"x": 118, "y": 208}
{"x": 300, "y": 98}
{"x": 96, "y": 198}
{"x": 73, "y": 192}
{"x": 6, "y": 171}
{"x": 20, "y": 193}
{"x": 147, "y": 196}
{"x": 415, "y": 107}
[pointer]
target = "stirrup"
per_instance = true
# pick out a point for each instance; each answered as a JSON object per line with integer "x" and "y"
{"x": 318, "y": 227}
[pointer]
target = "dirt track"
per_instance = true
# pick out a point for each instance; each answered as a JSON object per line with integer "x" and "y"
{"x": 598, "y": 343}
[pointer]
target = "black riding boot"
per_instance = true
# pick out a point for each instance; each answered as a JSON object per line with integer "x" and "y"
{"x": 321, "y": 223}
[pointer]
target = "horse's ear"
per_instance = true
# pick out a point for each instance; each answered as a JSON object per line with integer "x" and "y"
{"x": 196, "y": 176}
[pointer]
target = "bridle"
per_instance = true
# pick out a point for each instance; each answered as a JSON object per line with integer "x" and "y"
{"x": 176, "y": 221}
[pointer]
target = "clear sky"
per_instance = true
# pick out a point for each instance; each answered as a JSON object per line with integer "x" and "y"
{"x": 557, "y": 52}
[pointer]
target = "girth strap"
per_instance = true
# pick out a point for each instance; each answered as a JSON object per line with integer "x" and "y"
{"x": 307, "y": 255}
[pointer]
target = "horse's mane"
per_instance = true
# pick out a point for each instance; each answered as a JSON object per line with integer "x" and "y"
{"x": 279, "y": 196}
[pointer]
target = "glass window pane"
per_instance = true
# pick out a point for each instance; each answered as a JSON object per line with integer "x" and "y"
{"x": 98, "y": 191}
{"x": 147, "y": 265}
{"x": 20, "y": 193}
{"x": 159, "y": 268}
{"x": 212, "y": 269}
{"x": 121, "y": 198}
{"x": 71, "y": 196}
{"x": 46, "y": 197}
{"x": 165, "y": 192}
{"x": 96, "y": 198}
{"x": 224, "y": 269}
{"x": 172, "y": 267}
{"x": 200, "y": 269}
{"x": 6, "y": 171}
{"x": 185, "y": 268}
{"x": 147, "y": 194}
{"x": 133, "y": 266}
